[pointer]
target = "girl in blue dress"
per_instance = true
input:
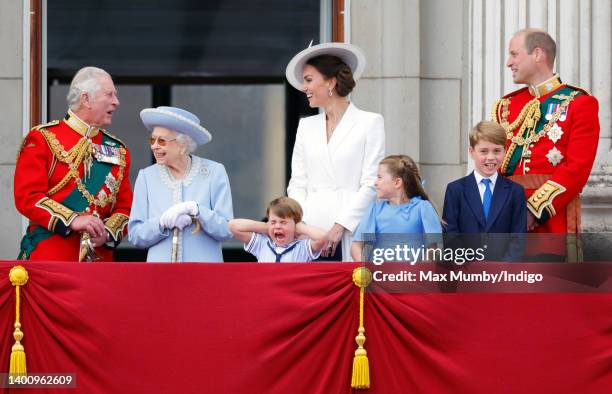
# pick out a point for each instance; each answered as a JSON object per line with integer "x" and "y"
{"x": 400, "y": 217}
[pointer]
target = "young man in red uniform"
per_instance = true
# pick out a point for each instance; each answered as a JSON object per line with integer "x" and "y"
{"x": 72, "y": 178}
{"x": 552, "y": 132}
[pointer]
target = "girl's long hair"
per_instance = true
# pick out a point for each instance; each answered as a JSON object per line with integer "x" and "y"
{"x": 403, "y": 167}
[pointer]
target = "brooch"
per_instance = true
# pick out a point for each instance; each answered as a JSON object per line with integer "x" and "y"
{"x": 555, "y": 133}
{"x": 204, "y": 171}
{"x": 554, "y": 156}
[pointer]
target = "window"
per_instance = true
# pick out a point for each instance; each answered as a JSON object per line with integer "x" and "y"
{"x": 223, "y": 60}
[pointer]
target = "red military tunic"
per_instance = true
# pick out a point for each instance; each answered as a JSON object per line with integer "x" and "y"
{"x": 60, "y": 173}
{"x": 553, "y": 131}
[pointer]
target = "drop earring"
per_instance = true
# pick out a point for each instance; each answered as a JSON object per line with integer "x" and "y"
{"x": 330, "y": 93}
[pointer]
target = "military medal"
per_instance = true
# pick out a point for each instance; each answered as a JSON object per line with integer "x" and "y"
{"x": 554, "y": 156}
{"x": 107, "y": 154}
{"x": 563, "y": 115}
{"x": 111, "y": 182}
{"x": 102, "y": 195}
{"x": 555, "y": 133}
{"x": 552, "y": 108}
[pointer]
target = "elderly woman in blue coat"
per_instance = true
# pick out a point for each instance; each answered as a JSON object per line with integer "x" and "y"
{"x": 183, "y": 203}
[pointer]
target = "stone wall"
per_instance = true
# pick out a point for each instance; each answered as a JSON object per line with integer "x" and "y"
{"x": 436, "y": 67}
{"x": 11, "y": 120}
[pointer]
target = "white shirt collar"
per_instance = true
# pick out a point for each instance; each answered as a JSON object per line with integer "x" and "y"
{"x": 479, "y": 178}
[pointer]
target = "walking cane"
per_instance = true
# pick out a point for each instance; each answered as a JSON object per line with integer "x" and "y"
{"x": 175, "y": 234}
{"x": 87, "y": 252}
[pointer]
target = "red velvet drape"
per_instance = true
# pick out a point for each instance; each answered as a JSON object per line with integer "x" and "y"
{"x": 290, "y": 328}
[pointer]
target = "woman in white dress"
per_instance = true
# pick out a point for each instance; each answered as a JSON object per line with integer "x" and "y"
{"x": 336, "y": 153}
{"x": 182, "y": 198}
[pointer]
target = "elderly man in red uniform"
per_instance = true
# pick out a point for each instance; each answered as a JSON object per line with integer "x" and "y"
{"x": 552, "y": 133}
{"x": 71, "y": 178}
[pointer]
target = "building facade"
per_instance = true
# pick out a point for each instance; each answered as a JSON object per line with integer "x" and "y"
{"x": 434, "y": 69}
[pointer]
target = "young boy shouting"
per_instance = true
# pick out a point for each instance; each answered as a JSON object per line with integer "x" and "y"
{"x": 277, "y": 240}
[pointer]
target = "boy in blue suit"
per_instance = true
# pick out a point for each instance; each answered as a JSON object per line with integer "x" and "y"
{"x": 484, "y": 201}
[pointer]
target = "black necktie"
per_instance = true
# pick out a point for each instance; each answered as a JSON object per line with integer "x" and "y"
{"x": 279, "y": 255}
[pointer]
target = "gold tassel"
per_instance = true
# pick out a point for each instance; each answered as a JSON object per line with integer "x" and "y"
{"x": 362, "y": 277}
{"x": 361, "y": 365}
{"x": 18, "y": 277}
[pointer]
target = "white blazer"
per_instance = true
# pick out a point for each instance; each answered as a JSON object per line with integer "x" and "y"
{"x": 334, "y": 182}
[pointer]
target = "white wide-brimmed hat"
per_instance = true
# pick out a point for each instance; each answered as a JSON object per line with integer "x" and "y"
{"x": 176, "y": 119}
{"x": 350, "y": 54}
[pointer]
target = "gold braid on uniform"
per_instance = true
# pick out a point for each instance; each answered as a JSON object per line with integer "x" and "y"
{"x": 533, "y": 137}
{"x": 73, "y": 159}
{"x": 40, "y": 126}
{"x": 115, "y": 225}
{"x": 531, "y": 115}
{"x": 100, "y": 202}
{"x": 542, "y": 199}
{"x": 75, "y": 155}
{"x": 113, "y": 136}
{"x": 23, "y": 142}
{"x": 57, "y": 212}
{"x": 494, "y": 110}
{"x": 527, "y": 119}
{"x": 560, "y": 110}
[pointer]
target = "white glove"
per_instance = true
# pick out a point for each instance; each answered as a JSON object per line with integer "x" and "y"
{"x": 182, "y": 221}
{"x": 169, "y": 218}
{"x": 188, "y": 208}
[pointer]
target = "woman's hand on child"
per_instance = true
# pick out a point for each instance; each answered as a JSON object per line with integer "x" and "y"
{"x": 333, "y": 236}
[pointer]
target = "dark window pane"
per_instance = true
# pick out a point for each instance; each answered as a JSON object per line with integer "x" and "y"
{"x": 247, "y": 123}
{"x": 179, "y": 37}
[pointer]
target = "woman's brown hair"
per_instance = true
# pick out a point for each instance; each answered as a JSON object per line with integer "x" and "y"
{"x": 332, "y": 66}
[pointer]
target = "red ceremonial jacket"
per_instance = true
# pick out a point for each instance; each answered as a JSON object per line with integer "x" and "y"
{"x": 52, "y": 187}
{"x": 552, "y": 132}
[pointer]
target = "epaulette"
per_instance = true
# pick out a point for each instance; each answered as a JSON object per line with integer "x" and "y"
{"x": 581, "y": 90}
{"x": 37, "y": 128}
{"x": 516, "y": 92}
{"x": 45, "y": 125}
{"x": 111, "y": 135}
